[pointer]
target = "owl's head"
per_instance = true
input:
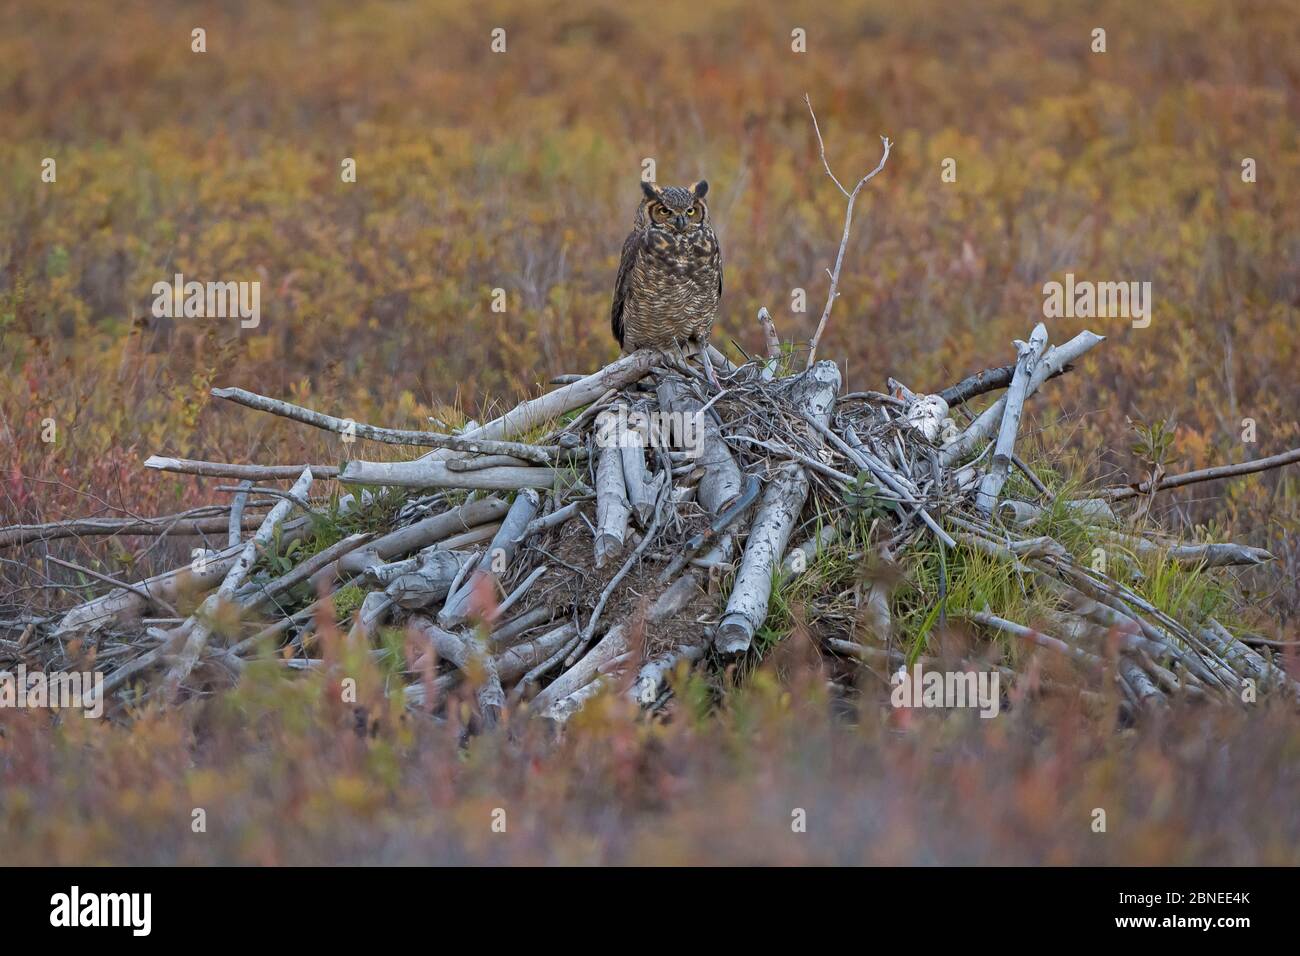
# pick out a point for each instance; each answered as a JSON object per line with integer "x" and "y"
{"x": 679, "y": 209}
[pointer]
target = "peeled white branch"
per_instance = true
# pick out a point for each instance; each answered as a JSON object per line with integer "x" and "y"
{"x": 1033, "y": 636}
{"x": 234, "y": 530}
{"x": 1056, "y": 358}
{"x": 202, "y": 629}
{"x": 217, "y": 469}
{"x": 1088, "y": 510}
{"x": 778, "y": 511}
{"x": 500, "y": 553}
{"x": 641, "y": 494}
{"x": 1148, "y": 694}
{"x": 468, "y": 517}
{"x": 801, "y": 556}
{"x": 374, "y": 609}
{"x": 513, "y": 663}
{"x": 485, "y": 461}
{"x": 521, "y": 589}
{"x": 562, "y": 651}
{"x": 122, "y": 603}
{"x": 645, "y": 689}
{"x": 484, "y": 532}
{"x": 537, "y": 411}
{"x": 1212, "y": 555}
{"x": 504, "y": 635}
{"x": 566, "y": 707}
{"x": 1245, "y": 660}
{"x": 773, "y": 342}
{"x": 461, "y": 651}
{"x": 391, "y": 436}
{"x": 722, "y": 481}
{"x": 428, "y": 473}
{"x": 428, "y": 582}
{"x": 770, "y": 337}
{"x": 546, "y": 522}
{"x": 612, "y": 506}
{"x": 1028, "y": 354}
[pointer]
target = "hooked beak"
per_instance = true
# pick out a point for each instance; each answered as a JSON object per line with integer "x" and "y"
{"x": 679, "y": 222}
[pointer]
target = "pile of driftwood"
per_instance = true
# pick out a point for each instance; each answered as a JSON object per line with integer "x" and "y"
{"x": 636, "y": 520}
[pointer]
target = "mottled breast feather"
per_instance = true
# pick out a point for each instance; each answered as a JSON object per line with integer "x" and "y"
{"x": 668, "y": 288}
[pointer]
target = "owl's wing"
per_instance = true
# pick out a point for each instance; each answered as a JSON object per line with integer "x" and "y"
{"x": 631, "y": 246}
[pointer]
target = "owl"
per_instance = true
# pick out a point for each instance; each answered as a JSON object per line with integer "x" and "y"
{"x": 670, "y": 277}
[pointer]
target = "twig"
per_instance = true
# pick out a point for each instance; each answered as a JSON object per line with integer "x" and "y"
{"x": 134, "y": 588}
{"x": 521, "y": 590}
{"x": 848, "y": 222}
{"x": 565, "y": 648}
{"x": 302, "y": 503}
{"x": 773, "y": 342}
{"x": 1031, "y": 635}
{"x": 897, "y": 483}
{"x": 715, "y": 528}
{"x": 1032, "y": 478}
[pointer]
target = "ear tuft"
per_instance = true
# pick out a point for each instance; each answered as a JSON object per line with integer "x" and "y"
{"x": 650, "y": 190}
{"x": 700, "y": 188}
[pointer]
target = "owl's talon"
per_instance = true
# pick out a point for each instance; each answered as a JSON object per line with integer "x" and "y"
{"x": 708, "y": 369}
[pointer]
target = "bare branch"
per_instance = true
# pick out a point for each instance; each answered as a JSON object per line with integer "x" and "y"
{"x": 848, "y": 223}
{"x": 822, "y": 146}
{"x": 1204, "y": 474}
{"x": 391, "y": 436}
{"x": 208, "y": 519}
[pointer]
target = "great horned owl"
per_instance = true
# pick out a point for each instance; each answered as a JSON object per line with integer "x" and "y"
{"x": 670, "y": 278}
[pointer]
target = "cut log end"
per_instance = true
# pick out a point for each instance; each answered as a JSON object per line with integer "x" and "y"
{"x": 734, "y": 636}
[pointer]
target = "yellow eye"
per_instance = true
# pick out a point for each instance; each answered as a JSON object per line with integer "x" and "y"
{"x": 692, "y": 212}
